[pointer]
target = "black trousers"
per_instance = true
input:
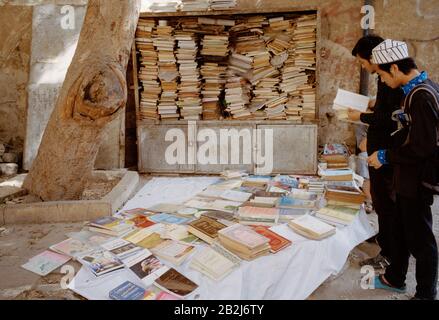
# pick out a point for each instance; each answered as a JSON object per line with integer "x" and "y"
{"x": 413, "y": 235}
{"x": 383, "y": 198}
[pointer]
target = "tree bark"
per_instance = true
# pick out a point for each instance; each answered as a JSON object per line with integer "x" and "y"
{"x": 93, "y": 94}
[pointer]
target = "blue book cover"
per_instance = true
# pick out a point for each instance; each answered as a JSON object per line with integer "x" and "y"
{"x": 168, "y": 218}
{"x": 127, "y": 291}
{"x": 287, "y": 202}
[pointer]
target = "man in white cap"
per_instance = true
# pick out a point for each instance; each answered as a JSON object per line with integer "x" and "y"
{"x": 414, "y": 158}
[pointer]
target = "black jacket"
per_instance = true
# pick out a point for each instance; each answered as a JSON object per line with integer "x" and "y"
{"x": 380, "y": 122}
{"x": 410, "y": 159}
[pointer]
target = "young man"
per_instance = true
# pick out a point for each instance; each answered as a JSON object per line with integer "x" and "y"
{"x": 379, "y": 137}
{"x": 417, "y": 139}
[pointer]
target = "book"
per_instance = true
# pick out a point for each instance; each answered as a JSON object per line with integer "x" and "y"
{"x": 127, "y": 291}
{"x": 338, "y": 214}
{"x": 244, "y": 235}
{"x": 111, "y": 225}
{"x": 311, "y": 228}
{"x": 100, "y": 262}
{"x": 45, "y": 262}
{"x": 289, "y": 202}
{"x": 173, "y": 251}
{"x": 277, "y": 242}
{"x": 206, "y": 228}
{"x": 345, "y": 194}
{"x": 255, "y": 215}
{"x": 71, "y": 247}
{"x": 213, "y": 264}
{"x": 345, "y": 100}
{"x": 146, "y": 266}
{"x": 175, "y": 283}
{"x": 168, "y": 218}
{"x": 141, "y": 221}
{"x": 121, "y": 248}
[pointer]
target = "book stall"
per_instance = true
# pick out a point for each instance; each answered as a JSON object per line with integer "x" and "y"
{"x": 226, "y": 68}
{"x": 237, "y": 236}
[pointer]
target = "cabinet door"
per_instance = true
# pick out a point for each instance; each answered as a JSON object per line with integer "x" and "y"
{"x": 288, "y": 149}
{"x": 165, "y": 149}
{"x": 224, "y": 146}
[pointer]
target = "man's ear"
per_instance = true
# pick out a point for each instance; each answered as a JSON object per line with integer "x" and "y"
{"x": 394, "y": 70}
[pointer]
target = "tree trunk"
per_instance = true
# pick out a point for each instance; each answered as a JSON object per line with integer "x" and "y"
{"x": 93, "y": 94}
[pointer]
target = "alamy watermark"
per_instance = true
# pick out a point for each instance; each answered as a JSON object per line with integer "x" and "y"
{"x": 368, "y": 20}
{"x": 68, "y": 17}
{"x": 224, "y": 147}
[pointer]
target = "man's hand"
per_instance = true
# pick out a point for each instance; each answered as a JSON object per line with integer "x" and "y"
{"x": 363, "y": 145}
{"x": 373, "y": 161}
{"x": 354, "y": 115}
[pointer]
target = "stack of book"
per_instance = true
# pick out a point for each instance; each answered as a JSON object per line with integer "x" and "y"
{"x": 194, "y": 5}
{"x": 111, "y": 225}
{"x": 237, "y": 96}
{"x": 244, "y": 241}
{"x": 311, "y": 227}
{"x": 308, "y": 93}
{"x": 215, "y": 45}
{"x": 173, "y": 251}
{"x": 189, "y": 101}
{"x": 337, "y": 215}
{"x": 305, "y": 38}
{"x": 335, "y": 155}
{"x": 275, "y": 108}
{"x": 213, "y": 83}
{"x": 344, "y": 195}
{"x": 148, "y": 73}
{"x": 293, "y": 108}
{"x": 266, "y": 90}
{"x": 258, "y": 216}
{"x": 222, "y": 4}
{"x": 164, "y": 6}
{"x": 216, "y": 262}
{"x": 164, "y": 42}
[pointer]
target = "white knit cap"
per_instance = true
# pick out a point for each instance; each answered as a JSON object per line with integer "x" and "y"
{"x": 390, "y": 51}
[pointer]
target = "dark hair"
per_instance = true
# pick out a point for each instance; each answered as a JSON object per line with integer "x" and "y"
{"x": 365, "y": 45}
{"x": 405, "y": 66}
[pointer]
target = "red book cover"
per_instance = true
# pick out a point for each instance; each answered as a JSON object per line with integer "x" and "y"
{"x": 277, "y": 242}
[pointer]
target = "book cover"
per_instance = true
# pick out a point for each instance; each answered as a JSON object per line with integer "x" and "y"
{"x": 141, "y": 221}
{"x": 207, "y": 226}
{"x": 101, "y": 262}
{"x": 244, "y": 235}
{"x": 174, "y": 282}
{"x": 168, "y": 218}
{"x": 71, "y": 247}
{"x": 127, "y": 291}
{"x": 288, "y": 202}
{"x": 146, "y": 266}
{"x": 120, "y": 248}
{"x": 45, "y": 262}
{"x": 172, "y": 250}
{"x": 277, "y": 242}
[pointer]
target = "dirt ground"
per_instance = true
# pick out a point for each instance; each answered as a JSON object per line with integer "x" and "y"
{"x": 18, "y": 243}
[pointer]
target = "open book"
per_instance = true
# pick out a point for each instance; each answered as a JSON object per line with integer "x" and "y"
{"x": 345, "y": 100}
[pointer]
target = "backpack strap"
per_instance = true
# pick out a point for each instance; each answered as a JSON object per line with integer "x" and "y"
{"x": 434, "y": 93}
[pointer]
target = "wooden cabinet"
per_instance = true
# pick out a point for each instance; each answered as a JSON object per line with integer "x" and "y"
{"x": 209, "y": 147}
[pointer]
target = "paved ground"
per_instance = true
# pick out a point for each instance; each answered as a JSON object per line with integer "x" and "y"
{"x": 20, "y": 242}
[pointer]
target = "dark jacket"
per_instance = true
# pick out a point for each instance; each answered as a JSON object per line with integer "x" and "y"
{"x": 380, "y": 122}
{"x": 410, "y": 159}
